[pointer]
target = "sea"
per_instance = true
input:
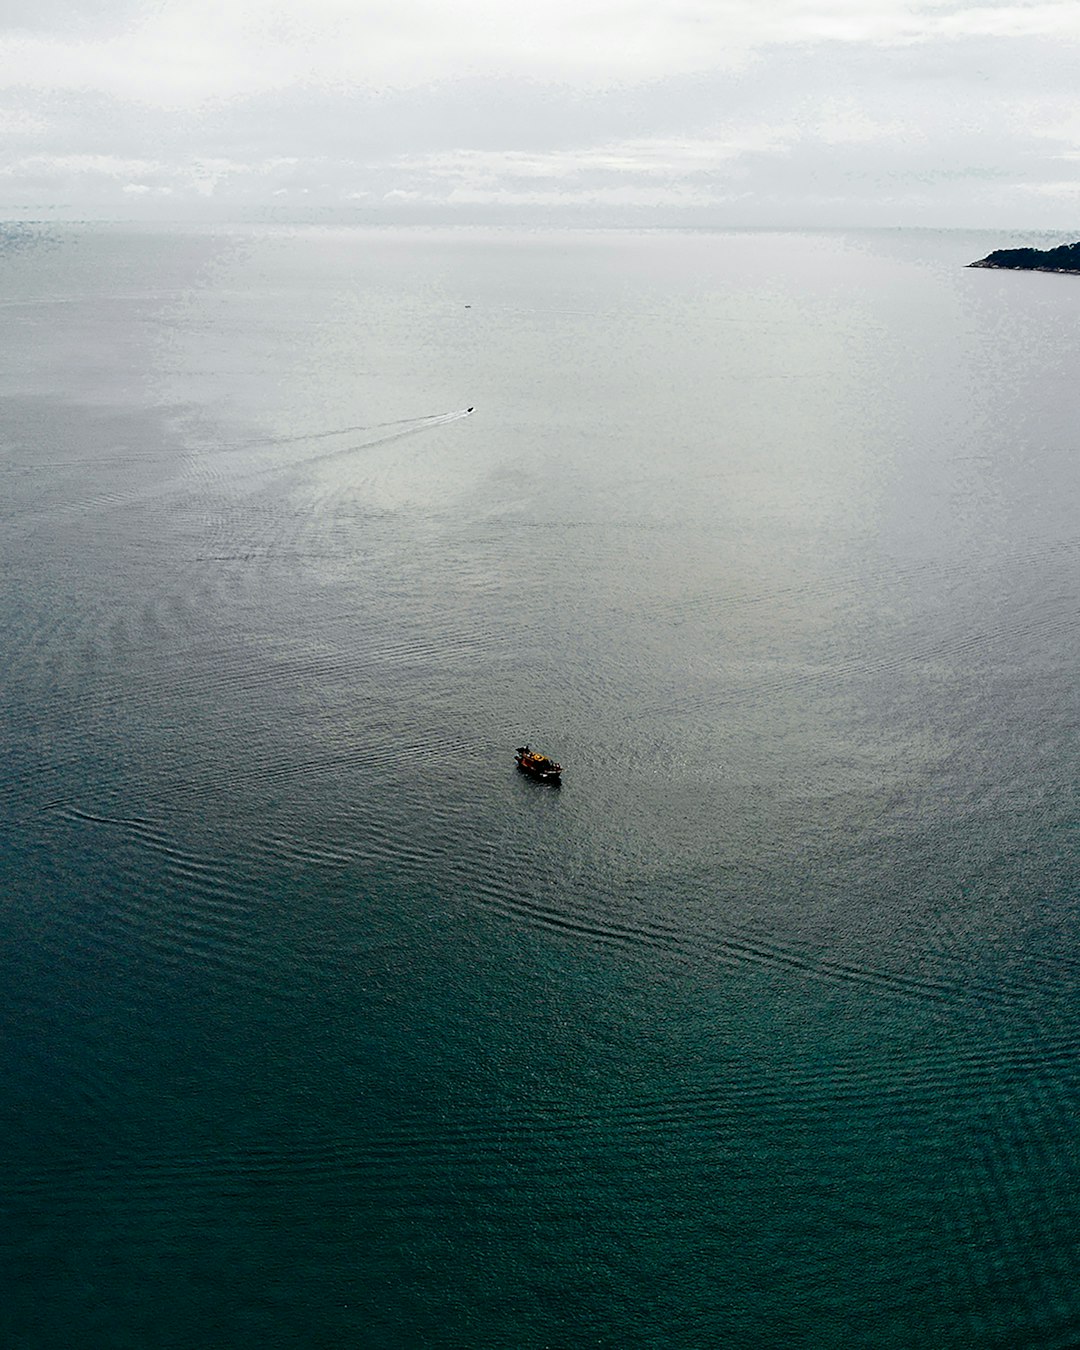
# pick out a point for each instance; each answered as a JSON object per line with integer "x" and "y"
{"x": 324, "y": 1027}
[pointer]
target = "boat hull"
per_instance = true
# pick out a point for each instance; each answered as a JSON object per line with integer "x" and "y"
{"x": 541, "y": 775}
{"x": 537, "y": 766}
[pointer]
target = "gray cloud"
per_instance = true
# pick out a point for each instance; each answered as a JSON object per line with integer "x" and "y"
{"x": 78, "y": 19}
{"x": 909, "y": 112}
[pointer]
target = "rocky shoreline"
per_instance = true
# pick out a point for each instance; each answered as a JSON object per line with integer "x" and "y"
{"x": 1065, "y": 258}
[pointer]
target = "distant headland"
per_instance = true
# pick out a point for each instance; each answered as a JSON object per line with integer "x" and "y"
{"x": 1064, "y": 258}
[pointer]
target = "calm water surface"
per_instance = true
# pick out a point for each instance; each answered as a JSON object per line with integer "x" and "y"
{"x": 322, "y": 1027}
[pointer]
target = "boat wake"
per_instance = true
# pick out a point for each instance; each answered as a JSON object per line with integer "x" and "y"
{"x": 394, "y": 431}
{"x": 405, "y": 426}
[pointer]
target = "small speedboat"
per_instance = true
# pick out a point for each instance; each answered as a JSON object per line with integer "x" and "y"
{"x": 537, "y": 766}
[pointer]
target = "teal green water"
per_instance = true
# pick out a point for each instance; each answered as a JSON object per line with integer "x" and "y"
{"x": 321, "y": 1026}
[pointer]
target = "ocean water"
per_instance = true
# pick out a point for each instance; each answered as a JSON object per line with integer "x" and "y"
{"x": 322, "y": 1027}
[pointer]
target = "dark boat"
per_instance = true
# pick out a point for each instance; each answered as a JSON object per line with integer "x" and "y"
{"x": 537, "y": 766}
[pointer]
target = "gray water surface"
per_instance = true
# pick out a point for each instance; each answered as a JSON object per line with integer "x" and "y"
{"x": 321, "y": 1026}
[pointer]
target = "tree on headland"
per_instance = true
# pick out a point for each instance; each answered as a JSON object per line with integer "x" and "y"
{"x": 1064, "y": 258}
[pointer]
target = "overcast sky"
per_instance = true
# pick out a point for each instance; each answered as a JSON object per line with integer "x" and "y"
{"x": 773, "y": 112}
